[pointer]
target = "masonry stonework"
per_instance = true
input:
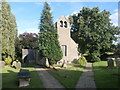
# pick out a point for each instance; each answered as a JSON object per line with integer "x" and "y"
{"x": 69, "y": 47}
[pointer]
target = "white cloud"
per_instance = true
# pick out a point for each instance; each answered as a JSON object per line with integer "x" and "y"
{"x": 74, "y": 13}
{"x": 116, "y": 10}
{"x": 114, "y": 18}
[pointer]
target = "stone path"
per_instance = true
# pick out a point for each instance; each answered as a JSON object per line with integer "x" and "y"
{"x": 48, "y": 80}
{"x": 87, "y": 78}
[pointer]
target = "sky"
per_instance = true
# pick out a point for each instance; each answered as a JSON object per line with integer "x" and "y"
{"x": 28, "y": 13}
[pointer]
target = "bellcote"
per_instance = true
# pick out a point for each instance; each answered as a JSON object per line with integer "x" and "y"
{"x": 62, "y": 23}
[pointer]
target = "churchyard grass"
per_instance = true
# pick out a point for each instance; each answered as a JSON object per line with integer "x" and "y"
{"x": 69, "y": 76}
{"x": 104, "y": 77}
{"x": 10, "y": 80}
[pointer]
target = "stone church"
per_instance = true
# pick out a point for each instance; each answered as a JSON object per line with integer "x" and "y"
{"x": 68, "y": 45}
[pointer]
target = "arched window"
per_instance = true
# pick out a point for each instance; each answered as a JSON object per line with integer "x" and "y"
{"x": 61, "y": 23}
{"x": 65, "y": 24}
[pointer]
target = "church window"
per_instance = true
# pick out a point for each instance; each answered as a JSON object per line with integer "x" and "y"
{"x": 64, "y": 49}
{"x": 61, "y": 23}
{"x": 65, "y": 24}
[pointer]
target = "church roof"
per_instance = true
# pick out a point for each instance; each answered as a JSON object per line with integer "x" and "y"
{"x": 63, "y": 18}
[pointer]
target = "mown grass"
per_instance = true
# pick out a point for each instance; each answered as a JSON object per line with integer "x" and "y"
{"x": 104, "y": 77}
{"x": 69, "y": 76}
{"x": 10, "y": 80}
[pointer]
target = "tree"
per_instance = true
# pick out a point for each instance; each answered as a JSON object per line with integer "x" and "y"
{"x": 0, "y": 35}
{"x": 26, "y": 40}
{"x": 8, "y": 31}
{"x": 93, "y": 31}
{"x": 48, "y": 39}
{"x": 117, "y": 51}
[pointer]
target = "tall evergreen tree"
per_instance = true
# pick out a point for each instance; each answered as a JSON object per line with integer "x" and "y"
{"x": 48, "y": 39}
{"x": 0, "y": 32}
{"x": 8, "y": 30}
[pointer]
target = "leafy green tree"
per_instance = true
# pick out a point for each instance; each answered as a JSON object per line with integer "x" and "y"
{"x": 117, "y": 49}
{"x": 48, "y": 39}
{"x": 26, "y": 41}
{"x": 93, "y": 31}
{"x": 8, "y": 31}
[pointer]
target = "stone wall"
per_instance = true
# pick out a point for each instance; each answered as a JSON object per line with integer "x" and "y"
{"x": 64, "y": 38}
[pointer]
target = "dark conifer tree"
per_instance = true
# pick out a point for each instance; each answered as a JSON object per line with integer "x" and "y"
{"x": 8, "y": 31}
{"x": 48, "y": 39}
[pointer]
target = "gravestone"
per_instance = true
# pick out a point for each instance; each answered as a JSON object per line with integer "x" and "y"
{"x": 28, "y": 56}
{"x": 117, "y": 60}
{"x": 110, "y": 63}
{"x": 64, "y": 65}
{"x": 2, "y": 64}
{"x": 16, "y": 64}
{"x": 24, "y": 55}
{"x": 24, "y": 77}
{"x": 47, "y": 62}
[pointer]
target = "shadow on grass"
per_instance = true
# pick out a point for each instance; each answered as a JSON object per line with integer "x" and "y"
{"x": 100, "y": 67}
{"x": 105, "y": 77}
{"x": 68, "y": 78}
{"x": 10, "y": 80}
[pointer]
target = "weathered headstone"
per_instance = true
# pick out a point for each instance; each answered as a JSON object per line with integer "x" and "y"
{"x": 16, "y": 64}
{"x": 47, "y": 63}
{"x": 28, "y": 56}
{"x": 24, "y": 54}
{"x": 110, "y": 63}
{"x": 117, "y": 60}
{"x": 2, "y": 64}
{"x": 24, "y": 77}
{"x": 64, "y": 65}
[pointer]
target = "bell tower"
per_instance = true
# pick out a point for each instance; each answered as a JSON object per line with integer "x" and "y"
{"x": 63, "y": 28}
{"x": 68, "y": 46}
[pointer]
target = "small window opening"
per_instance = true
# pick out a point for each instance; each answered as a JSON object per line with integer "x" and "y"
{"x": 61, "y": 23}
{"x": 64, "y": 49}
{"x": 65, "y": 24}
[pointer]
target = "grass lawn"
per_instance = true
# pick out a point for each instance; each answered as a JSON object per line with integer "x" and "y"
{"x": 69, "y": 76}
{"x": 104, "y": 77}
{"x": 10, "y": 80}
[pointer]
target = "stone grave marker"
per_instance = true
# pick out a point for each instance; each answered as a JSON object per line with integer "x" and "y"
{"x": 117, "y": 60}
{"x": 16, "y": 64}
{"x": 110, "y": 63}
{"x": 47, "y": 62}
{"x": 24, "y": 53}
{"x": 64, "y": 65}
{"x": 2, "y": 64}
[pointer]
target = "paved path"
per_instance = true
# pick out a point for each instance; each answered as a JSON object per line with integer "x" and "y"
{"x": 48, "y": 80}
{"x": 87, "y": 78}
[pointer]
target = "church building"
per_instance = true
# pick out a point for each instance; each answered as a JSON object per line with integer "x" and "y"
{"x": 68, "y": 45}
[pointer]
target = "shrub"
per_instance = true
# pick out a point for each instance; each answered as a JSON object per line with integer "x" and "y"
{"x": 82, "y": 61}
{"x": 8, "y": 60}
